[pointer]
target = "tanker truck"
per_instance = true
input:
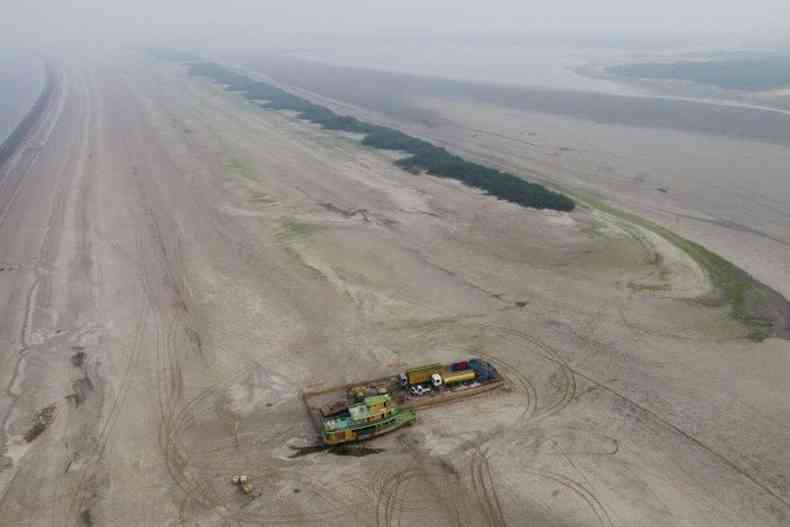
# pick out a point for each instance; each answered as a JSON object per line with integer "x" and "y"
{"x": 450, "y": 378}
{"x": 424, "y": 379}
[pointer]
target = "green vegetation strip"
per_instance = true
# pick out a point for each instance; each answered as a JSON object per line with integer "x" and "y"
{"x": 754, "y": 73}
{"x": 424, "y": 156}
{"x": 747, "y": 296}
{"x": 750, "y": 299}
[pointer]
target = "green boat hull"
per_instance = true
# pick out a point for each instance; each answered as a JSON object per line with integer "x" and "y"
{"x": 405, "y": 416}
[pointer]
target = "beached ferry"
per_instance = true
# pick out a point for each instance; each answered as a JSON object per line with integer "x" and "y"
{"x": 359, "y": 411}
{"x": 369, "y": 416}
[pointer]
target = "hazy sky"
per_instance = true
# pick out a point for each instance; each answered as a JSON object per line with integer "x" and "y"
{"x": 48, "y": 20}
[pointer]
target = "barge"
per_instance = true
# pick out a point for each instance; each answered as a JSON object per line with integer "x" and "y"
{"x": 360, "y": 411}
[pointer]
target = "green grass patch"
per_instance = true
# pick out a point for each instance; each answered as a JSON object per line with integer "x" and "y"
{"x": 293, "y": 229}
{"x": 655, "y": 288}
{"x": 735, "y": 286}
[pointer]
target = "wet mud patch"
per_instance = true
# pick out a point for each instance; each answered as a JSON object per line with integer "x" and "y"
{"x": 42, "y": 420}
{"x": 346, "y": 213}
{"x": 82, "y": 387}
{"x": 301, "y": 451}
{"x": 195, "y": 340}
{"x": 355, "y": 450}
{"x": 78, "y": 359}
{"x": 342, "y": 450}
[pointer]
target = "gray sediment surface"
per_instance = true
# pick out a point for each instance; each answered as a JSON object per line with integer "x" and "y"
{"x": 17, "y": 137}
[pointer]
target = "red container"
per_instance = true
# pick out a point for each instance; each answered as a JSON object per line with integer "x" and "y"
{"x": 458, "y": 366}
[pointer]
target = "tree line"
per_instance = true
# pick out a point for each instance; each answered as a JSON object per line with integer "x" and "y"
{"x": 424, "y": 156}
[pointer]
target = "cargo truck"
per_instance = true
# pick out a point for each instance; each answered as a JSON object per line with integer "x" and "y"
{"x": 433, "y": 377}
{"x": 419, "y": 375}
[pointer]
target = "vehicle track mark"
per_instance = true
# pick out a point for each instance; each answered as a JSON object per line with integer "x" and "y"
{"x": 579, "y": 490}
{"x": 484, "y": 485}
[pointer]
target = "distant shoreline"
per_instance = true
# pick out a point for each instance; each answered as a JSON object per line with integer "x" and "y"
{"x": 22, "y": 130}
{"x": 362, "y": 87}
{"x": 749, "y": 74}
{"x": 761, "y": 308}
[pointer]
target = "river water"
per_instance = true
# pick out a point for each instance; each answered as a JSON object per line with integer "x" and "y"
{"x": 21, "y": 80}
{"x": 714, "y": 173}
{"x": 519, "y": 62}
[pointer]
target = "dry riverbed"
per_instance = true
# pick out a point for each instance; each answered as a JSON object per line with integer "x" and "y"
{"x": 179, "y": 265}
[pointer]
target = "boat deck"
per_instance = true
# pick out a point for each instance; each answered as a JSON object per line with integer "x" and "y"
{"x": 315, "y": 400}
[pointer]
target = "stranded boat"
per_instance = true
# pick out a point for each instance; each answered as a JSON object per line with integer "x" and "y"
{"x": 356, "y": 412}
{"x": 371, "y": 416}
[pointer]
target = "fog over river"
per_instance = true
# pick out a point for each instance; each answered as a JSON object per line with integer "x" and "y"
{"x": 21, "y": 78}
{"x": 506, "y": 60}
{"x": 713, "y": 172}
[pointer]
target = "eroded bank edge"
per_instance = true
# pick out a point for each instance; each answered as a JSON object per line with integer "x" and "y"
{"x": 765, "y": 311}
{"x": 9, "y": 147}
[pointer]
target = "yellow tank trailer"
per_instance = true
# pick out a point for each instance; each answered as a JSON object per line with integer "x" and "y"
{"x": 458, "y": 376}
